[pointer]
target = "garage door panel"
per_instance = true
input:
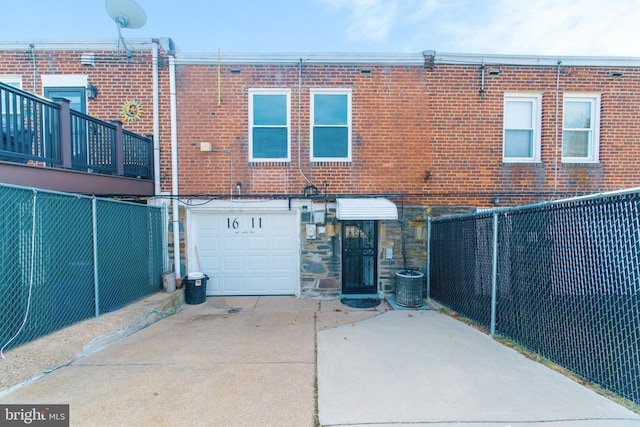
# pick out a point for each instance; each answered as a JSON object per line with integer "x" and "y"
{"x": 213, "y": 246}
{"x": 209, "y": 227}
{"x": 258, "y": 284}
{"x": 213, "y": 262}
{"x": 231, "y": 284}
{"x": 232, "y": 263}
{"x": 248, "y": 253}
{"x": 278, "y": 225}
{"x": 281, "y": 242}
{"x": 280, "y": 263}
{"x": 231, "y": 243}
{"x": 213, "y": 284}
{"x": 259, "y": 263}
{"x": 257, "y": 243}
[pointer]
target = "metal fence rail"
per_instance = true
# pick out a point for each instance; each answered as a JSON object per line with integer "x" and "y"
{"x": 29, "y": 127}
{"x": 137, "y": 155}
{"x": 65, "y": 258}
{"x": 92, "y": 144}
{"x": 563, "y": 281}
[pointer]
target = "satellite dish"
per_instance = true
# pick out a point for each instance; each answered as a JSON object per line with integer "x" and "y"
{"x": 126, "y": 13}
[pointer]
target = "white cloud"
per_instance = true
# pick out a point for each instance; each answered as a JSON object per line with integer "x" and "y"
{"x": 419, "y": 11}
{"x": 368, "y": 20}
{"x": 540, "y": 27}
{"x": 551, "y": 27}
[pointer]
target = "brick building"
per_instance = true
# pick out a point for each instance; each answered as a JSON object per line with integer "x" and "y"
{"x": 314, "y": 175}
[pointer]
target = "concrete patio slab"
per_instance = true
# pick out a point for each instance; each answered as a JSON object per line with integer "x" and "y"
{"x": 426, "y": 368}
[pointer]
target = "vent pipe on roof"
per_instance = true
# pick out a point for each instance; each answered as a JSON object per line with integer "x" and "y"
{"x": 429, "y": 59}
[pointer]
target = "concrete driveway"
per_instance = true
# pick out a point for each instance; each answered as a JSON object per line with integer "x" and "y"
{"x": 281, "y": 361}
{"x": 241, "y": 361}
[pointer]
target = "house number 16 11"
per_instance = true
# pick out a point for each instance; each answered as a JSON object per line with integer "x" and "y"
{"x": 235, "y": 223}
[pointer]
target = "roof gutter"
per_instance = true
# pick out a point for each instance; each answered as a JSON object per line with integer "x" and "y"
{"x": 528, "y": 60}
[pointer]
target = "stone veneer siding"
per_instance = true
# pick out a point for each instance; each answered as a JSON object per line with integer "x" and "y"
{"x": 321, "y": 258}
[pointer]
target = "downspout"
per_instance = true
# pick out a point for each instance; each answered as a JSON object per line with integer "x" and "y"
{"x": 156, "y": 121}
{"x": 174, "y": 165}
{"x": 556, "y": 154}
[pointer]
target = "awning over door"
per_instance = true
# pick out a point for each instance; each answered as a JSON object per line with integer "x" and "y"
{"x": 370, "y": 208}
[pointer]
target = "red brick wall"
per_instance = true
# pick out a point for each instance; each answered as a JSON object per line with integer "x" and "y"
{"x": 473, "y": 126}
{"x": 388, "y": 123}
{"x": 407, "y": 121}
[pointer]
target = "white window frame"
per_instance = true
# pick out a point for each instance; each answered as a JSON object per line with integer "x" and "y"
{"x": 64, "y": 80}
{"x": 536, "y": 101}
{"x": 13, "y": 80}
{"x": 331, "y": 91}
{"x": 71, "y": 81}
{"x": 593, "y": 155}
{"x": 270, "y": 91}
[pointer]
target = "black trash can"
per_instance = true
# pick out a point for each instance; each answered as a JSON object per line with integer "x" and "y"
{"x": 195, "y": 290}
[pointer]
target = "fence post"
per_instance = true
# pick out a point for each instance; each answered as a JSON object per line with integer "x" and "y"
{"x": 96, "y": 286}
{"x": 66, "y": 151}
{"x": 119, "y": 147}
{"x": 428, "y": 267}
{"x": 494, "y": 275}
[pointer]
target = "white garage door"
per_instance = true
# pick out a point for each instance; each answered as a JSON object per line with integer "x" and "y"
{"x": 247, "y": 253}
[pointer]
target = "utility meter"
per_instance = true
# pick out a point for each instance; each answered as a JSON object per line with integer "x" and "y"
{"x": 311, "y": 231}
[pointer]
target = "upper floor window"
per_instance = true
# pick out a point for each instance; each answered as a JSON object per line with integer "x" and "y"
{"x": 269, "y": 125}
{"x": 331, "y": 125}
{"x": 580, "y": 128}
{"x": 521, "y": 133}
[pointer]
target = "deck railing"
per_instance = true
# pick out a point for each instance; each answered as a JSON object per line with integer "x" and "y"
{"x": 48, "y": 133}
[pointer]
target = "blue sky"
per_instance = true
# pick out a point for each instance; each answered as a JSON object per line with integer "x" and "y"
{"x": 538, "y": 27}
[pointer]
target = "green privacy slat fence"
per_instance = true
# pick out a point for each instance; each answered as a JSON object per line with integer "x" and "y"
{"x": 53, "y": 273}
{"x": 127, "y": 237}
{"x": 563, "y": 281}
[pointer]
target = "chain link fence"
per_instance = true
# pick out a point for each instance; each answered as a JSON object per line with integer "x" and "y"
{"x": 66, "y": 258}
{"x": 561, "y": 279}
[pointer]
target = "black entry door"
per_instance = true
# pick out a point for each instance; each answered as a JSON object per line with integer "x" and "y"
{"x": 359, "y": 266}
